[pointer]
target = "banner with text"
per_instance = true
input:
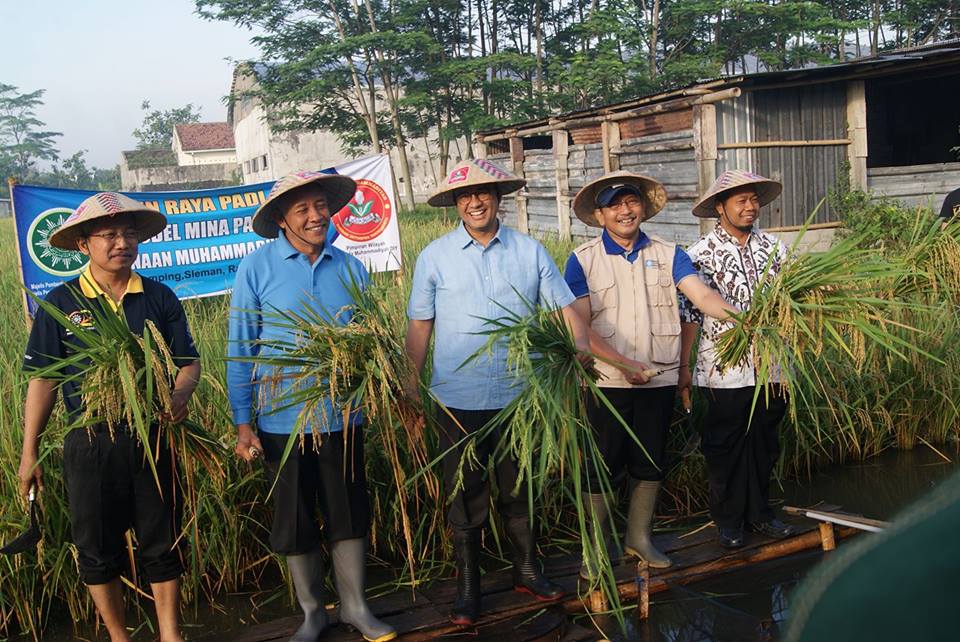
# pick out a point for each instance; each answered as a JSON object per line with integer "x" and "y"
{"x": 208, "y": 231}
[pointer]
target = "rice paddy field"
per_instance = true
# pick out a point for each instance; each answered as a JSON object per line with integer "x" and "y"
{"x": 863, "y": 400}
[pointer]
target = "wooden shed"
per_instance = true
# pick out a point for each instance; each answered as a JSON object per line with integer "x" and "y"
{"x": 889, "y": 120}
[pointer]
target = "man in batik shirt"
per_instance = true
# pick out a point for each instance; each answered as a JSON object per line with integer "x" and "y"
{"x": 739, "y": 438}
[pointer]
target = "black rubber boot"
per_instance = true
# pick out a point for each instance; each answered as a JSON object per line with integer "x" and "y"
{"x": 527, "y": 575}
{"x": 466, "y": 551}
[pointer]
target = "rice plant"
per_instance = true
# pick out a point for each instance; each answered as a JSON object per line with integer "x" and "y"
{"x": 362, "y": 366}
{"x": 545, "y": 428}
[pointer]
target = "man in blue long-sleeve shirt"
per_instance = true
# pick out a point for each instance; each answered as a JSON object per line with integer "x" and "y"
{"x": 300, "y": 270}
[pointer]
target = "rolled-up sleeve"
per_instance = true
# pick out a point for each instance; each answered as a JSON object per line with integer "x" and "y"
{"x": 243, "y": 330}
{"x": 554, "y": 291}
{"x": 422, "y": 304}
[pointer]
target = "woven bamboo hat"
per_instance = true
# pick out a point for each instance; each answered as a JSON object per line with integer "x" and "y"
{"x": 475, "y": 171}
{"x": 148, "y": 221}
{"x": 338, "y": 189}
{"x": 585, "y": 202}
{"x": 767, "y": 190}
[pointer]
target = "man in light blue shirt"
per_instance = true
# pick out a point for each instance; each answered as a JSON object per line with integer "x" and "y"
{"x": 300, "y": 270}
{"x": 471, "y": 274}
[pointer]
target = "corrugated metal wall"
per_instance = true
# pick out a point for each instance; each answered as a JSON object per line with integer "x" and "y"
{"x": 808, "y": 173}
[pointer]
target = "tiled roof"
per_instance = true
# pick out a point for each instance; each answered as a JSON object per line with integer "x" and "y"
{"x": 200, "y": 136}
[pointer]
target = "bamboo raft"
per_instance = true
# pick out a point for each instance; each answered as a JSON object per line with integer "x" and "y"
{"x": 421, "y": 614}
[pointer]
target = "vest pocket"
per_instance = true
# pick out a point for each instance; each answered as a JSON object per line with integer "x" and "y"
{"x": 603, "y": 296}
{"x": 665, "y": 343}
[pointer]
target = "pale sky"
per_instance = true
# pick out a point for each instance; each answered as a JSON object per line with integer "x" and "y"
{"x": 99, "y": 59}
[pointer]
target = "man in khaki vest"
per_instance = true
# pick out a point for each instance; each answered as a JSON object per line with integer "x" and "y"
{"x": 626, "y": 285}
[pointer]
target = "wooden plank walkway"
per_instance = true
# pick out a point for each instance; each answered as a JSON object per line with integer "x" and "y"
{"x": 510, "y": 616}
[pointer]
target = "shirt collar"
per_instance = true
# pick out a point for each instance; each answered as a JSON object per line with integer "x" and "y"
{"x": 612, "y": 247}
{"x": 463, "y": 238}
{"x": 726, "y": 237}
{"x": 92, "y": 290}
{"x": 287, "y": 250}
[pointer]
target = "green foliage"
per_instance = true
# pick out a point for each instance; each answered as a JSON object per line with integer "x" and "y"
{"x": 879, "y": 221}
{"x": 156, "y": 130}
{"x": 23, "y": 141}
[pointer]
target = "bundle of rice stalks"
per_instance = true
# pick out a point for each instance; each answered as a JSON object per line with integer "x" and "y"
{"x": 126, "y": 382}
{"x": 546, "y": 430}
{"x": 839, "y": 302}
{"x": 933, "y": 249}
{"x": 362, "y": 366}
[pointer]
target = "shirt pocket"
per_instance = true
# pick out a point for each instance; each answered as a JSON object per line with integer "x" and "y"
{"x": 665, "y": 343}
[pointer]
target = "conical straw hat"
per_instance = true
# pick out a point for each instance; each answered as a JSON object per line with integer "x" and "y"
{"x": 767, "y": 190}
{"x": 585, "y": 205}
{"x": 338, "y": 189}
{"x": 148, "y": 221}
{"x": 475, "y": 171}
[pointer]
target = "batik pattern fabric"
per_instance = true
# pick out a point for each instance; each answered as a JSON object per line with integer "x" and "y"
{"x": 733, "y": 270}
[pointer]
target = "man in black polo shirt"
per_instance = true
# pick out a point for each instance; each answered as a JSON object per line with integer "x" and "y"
{"x": 110, "y": 487}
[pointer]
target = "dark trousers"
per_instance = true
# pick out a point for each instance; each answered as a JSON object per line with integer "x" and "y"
{"x": 328, "y": 472}
{"x": 741, "y": 460}
{"x": 648, "y": 412}
{"x": 470, "y": 507}
{"x": 110, "y": 488}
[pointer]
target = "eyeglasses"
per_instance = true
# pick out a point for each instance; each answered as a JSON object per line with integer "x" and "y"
{"x": 466, "y": 197}
{"x": 130, "y": 236}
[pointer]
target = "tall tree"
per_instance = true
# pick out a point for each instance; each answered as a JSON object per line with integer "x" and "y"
{"x": 156, "y": 131}
{"x": 23, "y": 141}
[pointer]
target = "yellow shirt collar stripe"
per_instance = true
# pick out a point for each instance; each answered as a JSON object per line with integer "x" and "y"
{"x": 91, "y": 289}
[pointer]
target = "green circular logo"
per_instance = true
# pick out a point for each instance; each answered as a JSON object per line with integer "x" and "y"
{"x": 52, "y": 259}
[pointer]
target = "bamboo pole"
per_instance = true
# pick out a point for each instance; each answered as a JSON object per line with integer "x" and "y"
{"x": 827, "y": 541}
{"x": 813, "y": 226}
{"x": 16, "y": 239}
{"x": 517, "y": 158}
{"x": 562, "y": 174}
{"x": 643, "y": 590}
{"x": 826, "y": 142}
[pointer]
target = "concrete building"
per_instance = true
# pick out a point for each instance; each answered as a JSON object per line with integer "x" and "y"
{"x": 265, "y": 155}
{"x": 204, "y": 144}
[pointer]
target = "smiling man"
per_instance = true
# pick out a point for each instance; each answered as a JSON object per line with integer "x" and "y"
{"x": 468, "y": 275}
{"x": 300, "y": 270}
{"x": 110, "y": 486}
{"x": 626, "y": 284}
{"x": 740, "y": 444}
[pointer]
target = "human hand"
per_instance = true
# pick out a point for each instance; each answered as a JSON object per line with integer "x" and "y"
{"x": 634, "y": 372}
{"x": 584, "y": 356}
{"x": 179, "y": 406}
{"x": 30, "y": 474}
{"x": 248, "y": 447}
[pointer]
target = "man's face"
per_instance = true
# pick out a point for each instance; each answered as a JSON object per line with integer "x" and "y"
{"x": 478, "y": 206}
{"x": 306, "y": 217}
{"x": 623, "y": 216}
{"x": 740, "y": 208}
{"x": 111, "y": 243}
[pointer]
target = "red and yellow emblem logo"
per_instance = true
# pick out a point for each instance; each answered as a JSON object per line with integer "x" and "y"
{"x": 366, "y": 216}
